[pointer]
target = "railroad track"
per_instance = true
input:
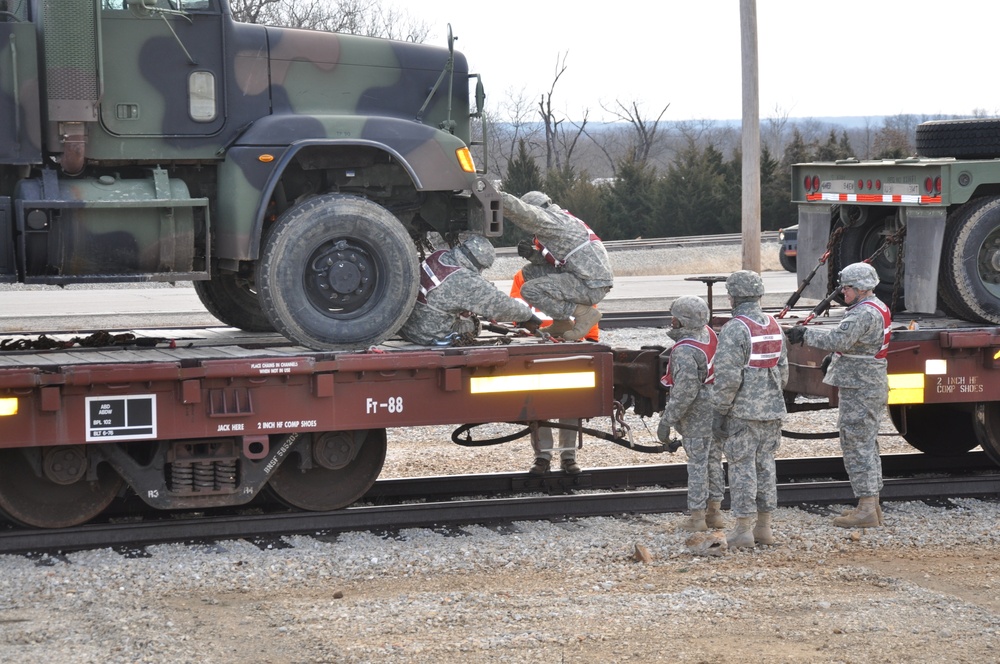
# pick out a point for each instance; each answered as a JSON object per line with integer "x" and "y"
{"x": 503, "y": 498}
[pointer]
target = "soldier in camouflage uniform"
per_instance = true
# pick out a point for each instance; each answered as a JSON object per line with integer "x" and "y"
{"x": 452, "y": 290}
{"x": 690, "y": 375}
{"x": 751, "y": 369}
{"x": 858, "y": 370}
{"x": 569, "y": 271}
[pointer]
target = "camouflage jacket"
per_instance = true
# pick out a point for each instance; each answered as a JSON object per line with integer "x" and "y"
{"x": 562, "y": 233}
{"x": 464, "y": 291}
{"x": 854, "y": 343}
{"x": 689, "y": 408}
{"x": 742, "y": 391}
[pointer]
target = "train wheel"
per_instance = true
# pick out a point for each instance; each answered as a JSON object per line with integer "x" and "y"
{"x": 48, "y": 487}
{"x": 935, "y": 429}
{"x": 970, "y": 261}
{"x": 986, "y": 422}
{"x": 335, "y": 479}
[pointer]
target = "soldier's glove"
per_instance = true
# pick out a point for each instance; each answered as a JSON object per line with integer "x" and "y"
{"x": 532, "y": 324}
{"x": 825, "y": 364}
{"x": 525, "y": 249}
{"x": 796, "y": 334}
{"x": 720, "y": 427}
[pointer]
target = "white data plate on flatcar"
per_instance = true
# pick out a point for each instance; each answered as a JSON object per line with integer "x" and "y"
{"x": 838, "y": 186}
{"x": 901, "y": 189}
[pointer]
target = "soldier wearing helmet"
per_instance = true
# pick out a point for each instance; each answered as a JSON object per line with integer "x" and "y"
{"x": 857, "y": 368}
{"x": 689, "y": 377}
{"x": 751, "y": 369}
{"x": 453, "y": 292}
{"x": 569, "y": 270}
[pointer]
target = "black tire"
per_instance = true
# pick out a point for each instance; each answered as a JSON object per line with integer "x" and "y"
{"x": 935, "y": 429}
{"x": 787, "y": 262}
{"x": 338, "y": 273}
{"x": 963, "y": 139}
{"x": 969, "y": 279}
{"x": 986, "y": 423}
{"x": 860, "y": 241}
{"x": 233, "y": 301}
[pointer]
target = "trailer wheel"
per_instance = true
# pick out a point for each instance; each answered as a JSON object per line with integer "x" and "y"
{"x": 974, "y": 138}
{"x": 339, "y": 273}
{"x": 319, "y": 487}
{"x": 986, "y": 422}
{"x": 48, "y": 487}
{"x": 970, "y": 261}
{"x": 935, "y": 429}
{"x": 233, "y": 301}
{"x": 862, "y": 239}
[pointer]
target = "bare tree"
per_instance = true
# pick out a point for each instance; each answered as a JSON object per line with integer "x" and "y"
{"x": 774, "y": 130}
{"x": 644, "y": 132}
{"x": 359, "y": 17}
{"x": 549, "y": 121}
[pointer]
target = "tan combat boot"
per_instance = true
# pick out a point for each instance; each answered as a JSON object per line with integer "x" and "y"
{"x": 585, "y": 317}
{"x": 558, "y": 327}
{"x": 865, "y": 516}
{"x": 694, "y": 523}
{"x": 741, "y": 536}
{"x": 762, "y": 531}
{"x": 713, "y": 515}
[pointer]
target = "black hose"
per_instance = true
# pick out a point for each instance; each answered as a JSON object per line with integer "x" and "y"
{"x": 469, "y": 442}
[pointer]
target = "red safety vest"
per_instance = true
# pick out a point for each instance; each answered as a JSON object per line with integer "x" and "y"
{"x": 557, "y": 262}
{"x": 765, "y": 342}
{"x": 433, "y": 273}
{"x": 880, "y": 307}
{"x": 708, "y": 348}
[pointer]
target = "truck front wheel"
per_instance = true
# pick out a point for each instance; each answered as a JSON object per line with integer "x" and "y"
{"x": 339, "y": 273}
{"x": 970, "y": 261}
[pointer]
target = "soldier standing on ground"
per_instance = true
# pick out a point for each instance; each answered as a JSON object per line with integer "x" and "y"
{"x": 751, "y": 369}
{"x": 689, "y": 376}
{"x": 545, "y": 445}
{"x": 858, "y": 370}
{"x": 452, "y": 292}
{"x": 569, "y": 271}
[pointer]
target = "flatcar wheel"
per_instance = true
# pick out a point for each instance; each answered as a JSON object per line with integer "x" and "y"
{"x": 334, "y": 480}
{"x": 48, "y": 487}
{"x": 935, "y": 429}
{"x": 986, "y": 422}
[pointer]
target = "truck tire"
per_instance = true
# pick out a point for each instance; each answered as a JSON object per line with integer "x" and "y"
{"x": 338, "y": 273}
{"x": 970, "y": 261}
{"x": 787, "y": 262}
{"x": 975, "y": 138}
{"x": 231, "y": 300}
{"x": 859, "y": 242}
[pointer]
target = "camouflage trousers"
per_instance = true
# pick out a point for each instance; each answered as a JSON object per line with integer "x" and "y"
{"x": 567, "y": 441}
{"x": 706, "y": 480}
{"x": 750, "y": 450}
{"x": 557, "y": 293}
{"x": 860, "y": 413}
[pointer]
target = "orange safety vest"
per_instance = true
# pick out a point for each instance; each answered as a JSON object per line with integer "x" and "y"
{"x": 515, "y": 292}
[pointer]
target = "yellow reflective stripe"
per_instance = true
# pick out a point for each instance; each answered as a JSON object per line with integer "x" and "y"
{"x": 906, "y": 388}
{"x": 8, "y": 406}
{"x": 533, "y": 382}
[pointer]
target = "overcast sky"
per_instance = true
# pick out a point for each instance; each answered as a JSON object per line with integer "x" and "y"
{"x": 816, "y": 59}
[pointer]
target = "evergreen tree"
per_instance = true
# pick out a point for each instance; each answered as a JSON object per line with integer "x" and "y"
{"x": 629, "y": 203}
{"x": 693, "y": 195}
{"x": 776, "y": 208}
{"x": 523, "y": 175}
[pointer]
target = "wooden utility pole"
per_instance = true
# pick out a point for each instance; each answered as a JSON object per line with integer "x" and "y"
{"x": 751, "y": 137}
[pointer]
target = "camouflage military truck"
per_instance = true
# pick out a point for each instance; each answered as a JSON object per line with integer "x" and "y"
{"x": 290, "y": 174}
{"x": 930, "y": 224}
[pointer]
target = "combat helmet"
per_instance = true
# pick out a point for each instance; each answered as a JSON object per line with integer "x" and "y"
{"x": 537, "y": 198}
{"x": 690, "y": 310}
{"x": 745, "y": 284}
{"x": 859, "y": 275}
{"x": 479, "y": 250}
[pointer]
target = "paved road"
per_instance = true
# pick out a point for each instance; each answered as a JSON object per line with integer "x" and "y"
{"x": 105, "y": 308}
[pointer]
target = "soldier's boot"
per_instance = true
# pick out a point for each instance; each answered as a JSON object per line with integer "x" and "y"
{"x": 540, "y": 467}
{"x": 586, "y": 318}
{"x": 694, "y": 523}
{"x": 865, "y": 516}
{"x": 762, "y": 531}
{"x": 570, "y": 467}
{"x": 713, "y": 515}
{"x": 558, "y": 327}
{"x": 741, "y": 536}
